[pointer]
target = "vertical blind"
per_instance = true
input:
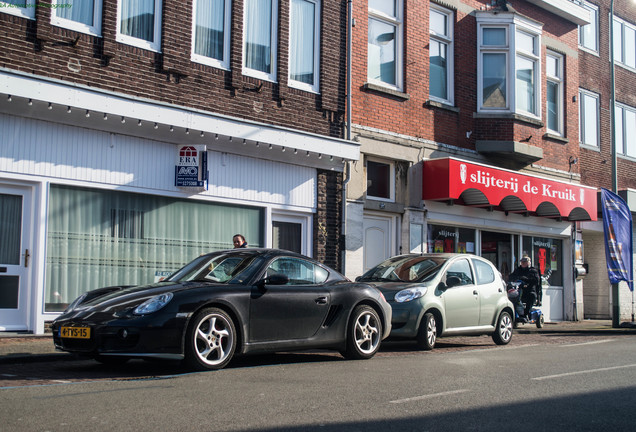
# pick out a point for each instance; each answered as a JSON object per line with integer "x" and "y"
{"x": 101, "y": 238}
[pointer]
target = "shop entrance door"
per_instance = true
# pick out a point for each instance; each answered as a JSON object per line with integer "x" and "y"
{"x": 15, "y": 204}
{"x": 498, "y": 249}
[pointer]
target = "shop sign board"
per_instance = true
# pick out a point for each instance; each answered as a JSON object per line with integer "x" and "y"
{"x": 448, "y": 178}
{"x": 191, "y": 169}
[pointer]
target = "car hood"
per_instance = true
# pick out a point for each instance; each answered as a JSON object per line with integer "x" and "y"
{"x": 125, "y": 296}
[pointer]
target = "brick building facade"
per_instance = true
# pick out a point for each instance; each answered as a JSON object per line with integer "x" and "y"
{"x": 97, "y": 105}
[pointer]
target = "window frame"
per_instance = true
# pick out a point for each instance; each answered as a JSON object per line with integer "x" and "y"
{"x": 558, "y": 80}
{"x": 622, "y": 26}
{"x": 582, "y": 95}
{"x": 27, "y": 12}
{"x": 95, "y": 29}
{"x": 396, "y": 21}
{"x": 254, "y": 73}
{"x": 595, "y": 22}
{"x": 155, "y": 44}
{"x": 449, "y": 41}
{"x": 315, "y": 86}
{"x": 624, "y": 132}
{"x": 512, "y": 23}
{"x": 391, "y": 166}
{"x": 223, "y": 63}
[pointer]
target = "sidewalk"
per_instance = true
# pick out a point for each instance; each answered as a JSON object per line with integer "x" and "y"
{"x": 26, "y": 348}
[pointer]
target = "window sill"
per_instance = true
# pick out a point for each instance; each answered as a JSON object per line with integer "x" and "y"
{"x": 508, "y": 116}
{"x": 558, "y": 138}
{"x": 441, "y": 105}
{"x": 589, "y": 147}
{"x": 390, "y": 92}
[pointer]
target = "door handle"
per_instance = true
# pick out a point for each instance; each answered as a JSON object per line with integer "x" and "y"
{"x": 321, "y": 300}
{"x": 26, "y": 257}
{"x": 475, "y": 292}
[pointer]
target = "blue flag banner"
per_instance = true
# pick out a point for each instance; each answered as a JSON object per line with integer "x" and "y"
{"x": 617, "y": 225}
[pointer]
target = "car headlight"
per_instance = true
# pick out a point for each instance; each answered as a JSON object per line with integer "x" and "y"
{"x": 75, "y": 302}
{"x": 406, "y": 295}
{"x": 153, "y": 304}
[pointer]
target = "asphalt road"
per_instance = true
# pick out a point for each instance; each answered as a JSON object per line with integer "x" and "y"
{"x": 539, "y": 382}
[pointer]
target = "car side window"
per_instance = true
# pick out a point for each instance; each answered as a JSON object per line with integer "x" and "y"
{"x": 484, "y": 274}
{"x": 459, "y": 270}
{"x": 299, "y": 271}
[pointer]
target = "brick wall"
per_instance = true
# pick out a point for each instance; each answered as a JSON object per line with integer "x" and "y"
{"x": 327, "y": 220}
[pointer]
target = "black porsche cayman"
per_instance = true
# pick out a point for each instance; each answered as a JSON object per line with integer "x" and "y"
{"x": 241, "y": 300}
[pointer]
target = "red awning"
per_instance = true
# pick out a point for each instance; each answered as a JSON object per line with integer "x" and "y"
{"x": 484, "y": 186}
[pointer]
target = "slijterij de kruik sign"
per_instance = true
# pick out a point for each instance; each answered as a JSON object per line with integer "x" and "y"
{"x": 191, "y": 169}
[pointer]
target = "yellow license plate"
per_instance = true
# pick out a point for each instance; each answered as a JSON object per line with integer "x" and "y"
{"x": 75, "y": 332}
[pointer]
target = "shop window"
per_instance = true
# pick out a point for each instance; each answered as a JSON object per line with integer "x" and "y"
{"x": 450, "y": 239}
{"x": 82, "y": 15}
{"x": 304, "y": 44}
{"x": 21, "y": 8}
{"x": 139, "y": 23}
{"x": 211, "y": 32}
{"x": 588, "y": 34}
{"x": 380, "y": 180}
{"x": 547, "y": 258}
{"x": 103, "y": 238}
{"x": 384, "y": 48}
{"x": 259, "y": 46}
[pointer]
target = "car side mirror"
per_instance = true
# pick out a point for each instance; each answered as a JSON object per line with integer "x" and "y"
{"x": 276, "y": 279}
{"x": 453, "y": 281}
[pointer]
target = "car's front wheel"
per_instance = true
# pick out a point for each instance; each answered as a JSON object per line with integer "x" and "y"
{"x": 503, "y": 329}
{"x": 427, "y": 334}
{"x": 364, "y": 333}
{"x": 210, "y": 340}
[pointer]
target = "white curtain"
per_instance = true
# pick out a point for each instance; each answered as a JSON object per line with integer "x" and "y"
{"x": 77, "y": 10}
{"x": 209, "y": 36}
{"x": 138, "y": 19}
{"x": 302, "y": 36}
{"x": 258, "y": 35}
{"x": 104, "y": 238}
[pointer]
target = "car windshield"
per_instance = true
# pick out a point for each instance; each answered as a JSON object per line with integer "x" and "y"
{"x": 404, "y": 269}
{"x": 219, "y": 268}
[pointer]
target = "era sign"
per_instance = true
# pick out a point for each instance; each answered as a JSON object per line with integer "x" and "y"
{"x": 191, "y": 169}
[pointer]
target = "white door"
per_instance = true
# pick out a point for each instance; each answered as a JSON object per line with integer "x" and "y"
{"x": 379, "y": 242}
{"x": 15, "y": 258}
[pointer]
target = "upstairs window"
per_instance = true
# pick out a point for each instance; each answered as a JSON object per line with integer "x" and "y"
{"x": 380, "y": 180}
{"x": 507, "y": 45}
{"x": 554, "y": 92}
{"x": 588, "y": 34}
{"x": 139, "y": 23}
{"x": 84, "y": 16}
{"x": 304, "y": 44}
{"x": 624, "y": 43}
{"x": 441, "y": 55}
{"x": 260, "y": 30}
{"x": 384, "y": 46}
{"x": 211, "y": 32}
{"x": 588, "y": 118}
{"x": 21, "y": 8}
{"x": 625, "y": 130}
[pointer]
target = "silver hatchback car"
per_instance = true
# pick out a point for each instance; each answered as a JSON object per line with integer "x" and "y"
{"x": 435, "y": 295}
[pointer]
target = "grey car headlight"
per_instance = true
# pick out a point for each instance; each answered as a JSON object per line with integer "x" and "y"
{"x": 153, "y": 304}
{"x": 406, "y": 295}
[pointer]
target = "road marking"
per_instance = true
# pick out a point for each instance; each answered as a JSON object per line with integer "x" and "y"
{"x": 417, "y": 398}
{"x": 583, "y": 372}
{"x": 589, "y": 343}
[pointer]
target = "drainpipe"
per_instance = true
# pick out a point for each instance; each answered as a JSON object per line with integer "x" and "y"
{"x": 348, "y": 137}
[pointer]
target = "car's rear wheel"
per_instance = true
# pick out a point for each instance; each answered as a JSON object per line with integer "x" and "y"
{"x": 364, "y": 333}
{"x": 210, "y": 340}
{"x": 503, "y": 329}
{"x": 427, "y": 334}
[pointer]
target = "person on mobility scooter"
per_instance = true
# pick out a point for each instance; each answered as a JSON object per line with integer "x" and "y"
{"x": 522, "y": 291}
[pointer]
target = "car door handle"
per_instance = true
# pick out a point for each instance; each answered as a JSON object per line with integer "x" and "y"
{"x": 475, "y": 292}
{"x": 321, "y": 300}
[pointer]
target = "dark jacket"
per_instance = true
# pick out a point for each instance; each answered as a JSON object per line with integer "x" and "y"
{"x": 529, "y": 275}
